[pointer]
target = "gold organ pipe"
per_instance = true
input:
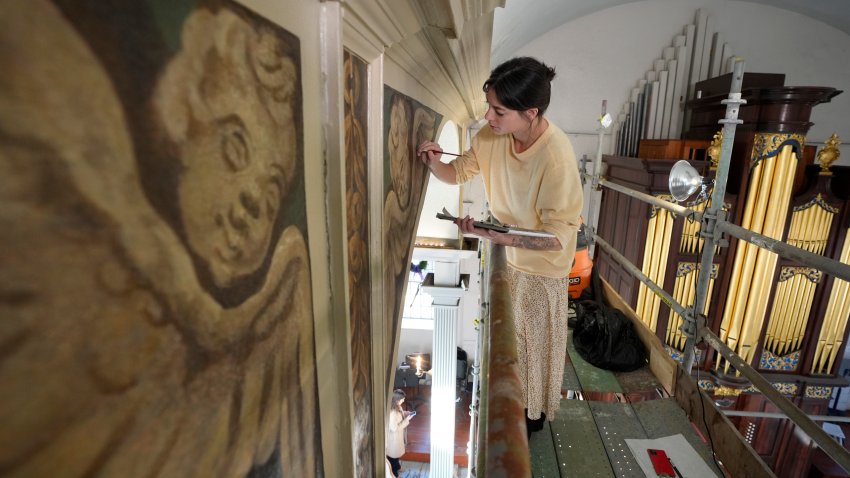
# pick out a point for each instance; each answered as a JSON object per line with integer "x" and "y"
{"x": 831, "y": 338}
{"x": 822, "y": 234}
{"x": 785, "y": 318}
{"x": 673, "y": 319}
{"x": 775, "y": 214}
{"x": 707, "y": 305}
{"x": 662, "y": 263}
{"x": 649, "y": 297}
{"x": 761, "y": 193}
{"x": 740, "y": 255}
{"x": 793, "y": 312}
{"x": 736, "y": 277}
{"x": 817, "y": 226}
{"x": 807, "y": 312}
{"x": 838, "y": 332}
{"x": 778, "y": 320}
{"x": 655, "y": 264}
{"x": 692, "y": 231}
{"x": 826, "y": 224}
{"x": 794, "y": 229}
{"x": 696, "y": 245}
{"x": 798, "y": 309}
{"x": 835, "y": 318}
{"x": 830, "y": 321}
{"x": 647, "y": 258}
{"x": 805, "y": 224}
{"x": 686, "y": 232}
{"x": 775, "y": 323}
{"x": 687, "y": 292}
{"x": 814, "y": 230}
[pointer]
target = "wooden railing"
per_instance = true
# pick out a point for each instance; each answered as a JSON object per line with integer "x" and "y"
{"x": 502, "y": 441}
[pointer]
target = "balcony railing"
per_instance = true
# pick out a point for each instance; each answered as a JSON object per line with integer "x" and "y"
{"x": 502, "y": 441}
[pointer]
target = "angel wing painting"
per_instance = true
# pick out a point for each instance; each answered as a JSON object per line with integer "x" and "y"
{"x": 155, "y": 296}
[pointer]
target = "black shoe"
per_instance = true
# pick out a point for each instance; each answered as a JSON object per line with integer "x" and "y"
{"x": 532, "y": 426}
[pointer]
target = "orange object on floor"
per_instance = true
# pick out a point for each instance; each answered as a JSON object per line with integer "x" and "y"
{"x": 582, "y": 266}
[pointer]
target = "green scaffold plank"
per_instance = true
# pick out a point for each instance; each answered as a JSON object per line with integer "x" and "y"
{"x": 640, "y": 380}
{"x": 578, "y": 447}
{"x": 592, "y": 379}
{"x": 616, "y": 422}
{"x": 570, "y": 381}
{"x": 544, "y": 460}
{"x": 661, "y": 418}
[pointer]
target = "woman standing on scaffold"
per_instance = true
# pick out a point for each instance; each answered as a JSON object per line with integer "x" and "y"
{"x": 531, "y": 180}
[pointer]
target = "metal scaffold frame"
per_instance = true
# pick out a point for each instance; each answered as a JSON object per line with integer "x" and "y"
{"x": 713, "y": 225}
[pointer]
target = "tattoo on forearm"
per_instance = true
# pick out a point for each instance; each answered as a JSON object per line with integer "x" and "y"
{"x": 537, "y": 243}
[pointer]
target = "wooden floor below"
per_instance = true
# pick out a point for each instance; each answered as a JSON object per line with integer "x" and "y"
{"x": 418, "y": 447}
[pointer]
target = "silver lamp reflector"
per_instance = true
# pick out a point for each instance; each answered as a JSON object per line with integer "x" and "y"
{"x": 684, "y": 180}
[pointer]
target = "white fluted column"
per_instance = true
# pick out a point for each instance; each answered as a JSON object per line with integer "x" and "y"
{"x": 444, "y": 373}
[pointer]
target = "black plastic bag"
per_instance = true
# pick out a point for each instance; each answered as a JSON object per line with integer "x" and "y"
{"x": 606, "y": 338}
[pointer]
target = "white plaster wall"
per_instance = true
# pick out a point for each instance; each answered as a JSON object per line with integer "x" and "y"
{"x": 413, "y": 341}
{"x": 440, "y": 195}
{"x": 602, "y": 55}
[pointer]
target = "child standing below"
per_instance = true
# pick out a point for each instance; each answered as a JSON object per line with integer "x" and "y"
{"x": 397, "y": 421}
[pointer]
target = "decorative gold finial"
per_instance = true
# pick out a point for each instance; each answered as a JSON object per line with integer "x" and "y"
{"x": 714, "y": 150}
{"x": 829, "y": 154}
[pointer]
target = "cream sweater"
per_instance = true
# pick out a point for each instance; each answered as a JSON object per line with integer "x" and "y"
{"x": 539, "y": 188}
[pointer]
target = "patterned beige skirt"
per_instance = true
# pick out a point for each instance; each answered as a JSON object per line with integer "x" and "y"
{"x": 540, "y": 318}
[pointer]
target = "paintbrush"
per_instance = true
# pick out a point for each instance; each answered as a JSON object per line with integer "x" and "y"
{"x": 442, "y": 152}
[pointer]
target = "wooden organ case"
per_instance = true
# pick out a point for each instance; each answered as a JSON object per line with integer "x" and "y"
{"x": 787, "y": 320}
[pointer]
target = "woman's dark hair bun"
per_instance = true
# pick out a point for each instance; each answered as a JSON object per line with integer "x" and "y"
{"x": 522, "y": 83}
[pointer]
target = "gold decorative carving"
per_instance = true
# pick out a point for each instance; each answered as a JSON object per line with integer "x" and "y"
{"x": 768, "y": 145}
{"x": 829, "y": 154}
{"x": 713, "y": 152}
{"x": 725, "y": 391}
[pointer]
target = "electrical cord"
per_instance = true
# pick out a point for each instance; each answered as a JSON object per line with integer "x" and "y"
{"x": 708, "y": 430}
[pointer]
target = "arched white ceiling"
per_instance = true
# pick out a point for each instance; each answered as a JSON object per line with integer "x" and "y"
{"x": 521, "y": 21}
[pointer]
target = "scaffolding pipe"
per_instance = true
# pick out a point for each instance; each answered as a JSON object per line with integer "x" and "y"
{"x": 594, "y": 181}
{"x": 782, "y": 249}
{"x": 713, "y": 213}
{"x": 832, "y": 448}
{"x": 814, "y": 418}
{"x": 672, "y": 207}
{"x": 787, "y": 251}
{"x": 623, "y": 261}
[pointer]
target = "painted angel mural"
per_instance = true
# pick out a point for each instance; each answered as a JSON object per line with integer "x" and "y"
{"x": 407, "y": 123}
{"x": 155, "y": 290}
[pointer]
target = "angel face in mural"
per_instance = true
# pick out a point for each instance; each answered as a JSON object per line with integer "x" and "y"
{"x": 119, "y": 362}
{"x": 398, "y": 145}
{"x": 226, "y": 101}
